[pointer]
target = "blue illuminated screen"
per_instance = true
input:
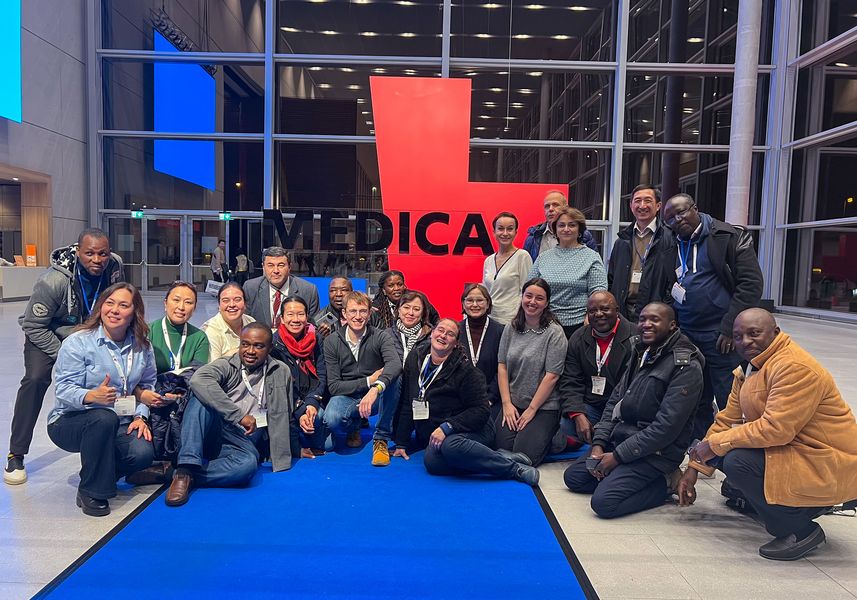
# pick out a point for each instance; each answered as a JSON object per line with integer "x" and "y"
{"x": 10, "y": 59}
{"x": 184, "y": 101}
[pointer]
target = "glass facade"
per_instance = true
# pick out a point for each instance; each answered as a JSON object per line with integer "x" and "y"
{"x": 599, "y": 94}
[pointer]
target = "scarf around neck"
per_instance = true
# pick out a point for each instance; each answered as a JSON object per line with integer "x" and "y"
{"x": 302, "y": 349}
{"x": 411, "y": 333}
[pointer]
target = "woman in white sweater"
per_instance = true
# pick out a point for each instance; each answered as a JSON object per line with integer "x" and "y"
{"x": 505, "y": 271}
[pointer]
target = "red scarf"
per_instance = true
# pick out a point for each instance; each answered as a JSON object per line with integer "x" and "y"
{"x": 302, "y": 349}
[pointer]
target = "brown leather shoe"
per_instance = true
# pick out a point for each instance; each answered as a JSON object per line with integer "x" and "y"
{"x": 179, "y": 488}
{"x": 353, "y": 440}
{"x": 158, "y": 473}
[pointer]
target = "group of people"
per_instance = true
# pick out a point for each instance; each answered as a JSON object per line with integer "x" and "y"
{"x": 553, "y": 352}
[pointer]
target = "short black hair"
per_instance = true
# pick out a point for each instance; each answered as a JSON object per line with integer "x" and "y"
{"x": 93, "y": 232}
{"x": 275, "y": 251}
{"x": 257, "y": 325}
{"x": 647, "y": 186}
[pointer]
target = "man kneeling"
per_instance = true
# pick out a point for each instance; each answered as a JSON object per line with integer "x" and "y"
{"x": 239, "y": 406}
{"x": 647, "y": 422}
{"x": 786, "y": 439}
{"x": 444, "y": 398}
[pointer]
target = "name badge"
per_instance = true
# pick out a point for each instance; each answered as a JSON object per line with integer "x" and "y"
{"x": 261, "y": 417}
{"x": 598, "y": 385}
{"x": 421, "y": 410}
{"x": 678, "y": 293}
{"x": 125, "y": 406}
{"x": 636, "y": 277}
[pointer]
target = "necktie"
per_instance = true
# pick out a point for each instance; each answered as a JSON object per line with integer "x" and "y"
{"x": 278, "y": 298}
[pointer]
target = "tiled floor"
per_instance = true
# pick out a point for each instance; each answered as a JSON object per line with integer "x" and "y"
{"x": 705, "y": 551}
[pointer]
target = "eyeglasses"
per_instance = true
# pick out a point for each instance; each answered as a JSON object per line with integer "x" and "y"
{"x": 475, "y": 301}
{"x": 679, "y": 216}
{"x": 355, "y": 312}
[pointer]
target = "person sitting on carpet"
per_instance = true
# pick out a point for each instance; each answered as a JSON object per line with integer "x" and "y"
{"x": 479, "y": 338}
{"x": 594, "y": 364}
{"x": 531, "y": 356}
{"x": 447, "y": 405}
{"x": 786, "y": 439}
{"x": 100, "y": 369}
{"x": 361, "y": 363}
{"x": 645, "y": 429}
{"x": 237, "y": 406}
{"x": 298, "y": 345}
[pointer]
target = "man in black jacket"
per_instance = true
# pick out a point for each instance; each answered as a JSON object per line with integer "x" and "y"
{"x": 594, "y": 364}
{"x": 633, "y": 275}
{"x": 712, "y": 274}
{"x": 642, "y": 436}
{"x": 444, "y": 399}
{"x": 362, "y": 363}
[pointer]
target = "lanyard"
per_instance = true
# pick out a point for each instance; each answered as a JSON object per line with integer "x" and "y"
{"x": 175, "y": 359}
{"x": 475, "y": 355}
{"x": 260, "y": 397}
{"x": 427, "y": 376}
{"x": 645, "y": 356}
{"x": 645, "y": 254}
{"x": 601, "y": 360}
{"x": 89, "y": 305}
{"x": 683, "y": 256}
{"x": 123, "y": 373}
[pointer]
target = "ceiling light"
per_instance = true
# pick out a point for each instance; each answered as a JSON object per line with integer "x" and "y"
{"x": 329, "y": 32}
{"x": 561, "y": 37}
{"x": 517, "y": 105}
{"x": 318, "y": 1}
{"x": 353, "y": 87}
{"x": 368, "y": 33}
{"x": 526, "y": 91}
{"x": 579, "y": 8}
{"x": 535, "y": 6}
{"x": 372, "y": 131}
{"x": 841, "y": 64}
{"x": 316, "y": 68}
{"x": 535, "y": 73}
{"x": 361, "y": 101}
{"x": 510, "y": 118}
{"x": 522, "y": 36}
{"x": 408, "y": 34}
{"x": 346, "y": 69}
{"x": 687, "y": 110}
{"x": 486, "y": 152}
{"x": 484, "y": 117}
{"x": 16, "y": 179}
{"x": 365, "y": 112}
{"x": 409, "y": 72}
{"x": 483, "y": 35}
{"x": 362, "y": 1}
{"x": 491, "y": 5}
{"x": 495, "y": 89}
{"x": 290, "y": 29}
{"x": 480, "y": 129}
{"x": 379, "y": 70}
{"x": 695, "y": 40}
{"x": 324, "y": 86}
{"x": 491, "y": 104}
{"x": 502, "y": 72}
{"x": 406, "y": 3}
{"x": 471, "y": 74}
{"x": 368, "y": 122}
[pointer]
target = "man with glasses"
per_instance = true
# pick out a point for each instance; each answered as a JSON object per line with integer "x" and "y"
{"x": 713, "y": 276}
{"x": 632, "y": 273}
{"x": 361, "y": 363}
{"x": 264, "y": 295}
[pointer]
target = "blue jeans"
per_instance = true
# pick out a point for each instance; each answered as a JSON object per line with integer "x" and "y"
{"x": 469, "y": 453}
{"x": 341, "y": 416}
{"x": 717, "y": 378}
{"x": 232, "y": 455}
{"x": 314, "y": 440}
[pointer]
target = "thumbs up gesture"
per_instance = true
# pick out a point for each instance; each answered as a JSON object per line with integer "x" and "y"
{"x": 103, "y": 394}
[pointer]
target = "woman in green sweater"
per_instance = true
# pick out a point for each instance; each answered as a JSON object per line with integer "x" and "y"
{"x": 176, "y": 342}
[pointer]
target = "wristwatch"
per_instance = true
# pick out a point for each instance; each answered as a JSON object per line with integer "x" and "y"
{"x": 378, "y": 387}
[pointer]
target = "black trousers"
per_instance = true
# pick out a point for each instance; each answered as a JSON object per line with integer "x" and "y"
{"x": 31, "y": 395}
{"x": 629, "y": 488}
{"x": 745, "y": 468}
{"x": 534, "y": 440}
{"x": 468, "y": 454}
{"x": 107, "y": 452}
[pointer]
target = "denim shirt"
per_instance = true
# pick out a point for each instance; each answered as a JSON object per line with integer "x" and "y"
{"x": 83, "y": 361}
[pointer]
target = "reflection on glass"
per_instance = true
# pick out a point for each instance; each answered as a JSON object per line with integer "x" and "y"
{"x": 826, "y": 96}
{"x": 823, "y": 183}
{"x": 823, "y": 272}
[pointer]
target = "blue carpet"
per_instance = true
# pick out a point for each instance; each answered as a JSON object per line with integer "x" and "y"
{"x": 336, "y": 527}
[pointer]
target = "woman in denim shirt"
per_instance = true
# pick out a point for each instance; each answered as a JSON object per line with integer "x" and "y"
{"x": 105, "y": 374}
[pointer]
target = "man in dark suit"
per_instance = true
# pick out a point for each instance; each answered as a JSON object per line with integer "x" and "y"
{"x": 594, "y": 364}
{"x": 264, "y": 295}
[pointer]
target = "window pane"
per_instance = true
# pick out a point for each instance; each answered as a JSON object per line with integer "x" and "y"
{"x": 331, "y": 100}
{"x": 369, "y": 27}
{"x": 174, "y": 97}
{"x": 824, "y": 20}
{"x": 536, "y": 105}
{"x": 236, "y": 26}
{"x": 702, "y": 175}
{"x": 822, "y": 273}
{"x": 586, "y": 172}
{"x": 822, "y": 183}
{"x": 705, "y": 109}
{"x": 549, "y": 30}
{"x": 137, "y": 176}
{"x": 826, "y": 96}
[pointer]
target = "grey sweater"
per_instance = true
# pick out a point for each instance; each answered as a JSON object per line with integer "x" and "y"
{"x": 212, "y": 384}
{"x": 528, "y": 357}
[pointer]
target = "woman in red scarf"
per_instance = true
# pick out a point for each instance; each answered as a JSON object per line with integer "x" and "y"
{"x": 297, "y": 345}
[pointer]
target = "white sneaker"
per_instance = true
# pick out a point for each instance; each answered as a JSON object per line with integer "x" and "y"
{"x": 15, "y": 473}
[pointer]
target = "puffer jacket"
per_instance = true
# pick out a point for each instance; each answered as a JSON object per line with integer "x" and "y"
{"x": 56, "y": 306}
{"x": 650, "y": 413}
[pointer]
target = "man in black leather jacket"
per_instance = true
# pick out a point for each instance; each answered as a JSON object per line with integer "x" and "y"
{"x": 642, "y": 436}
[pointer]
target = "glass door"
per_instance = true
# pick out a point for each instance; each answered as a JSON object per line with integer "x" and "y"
{"x": 126, "y": 240}
{"x": 203, "y": 235}
{"x": 163, "y": 252}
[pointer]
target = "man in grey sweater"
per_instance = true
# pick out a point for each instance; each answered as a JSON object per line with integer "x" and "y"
{"x": 238, "y": 406}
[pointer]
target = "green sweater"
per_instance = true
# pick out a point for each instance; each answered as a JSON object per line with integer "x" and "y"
{"x": 195, "y": 349}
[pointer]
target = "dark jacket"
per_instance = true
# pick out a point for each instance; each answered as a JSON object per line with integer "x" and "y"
{"x": 395, "y": 334}
{"x": 490, "y": 348}
{"x": 257, "y": 297}
{"x": 306, "y": 390}
{"x": 346, "y": 376}
{"x": 336, "y": 324}
{"x": 456, "y": 397}
{"x": 730, "y": 251}
{"x": 652, "y": 284}
{"x": 575, "y": 383}
{"x": 657, "y": 402}
{"x": 533, "y": 243}
{"x": 56, "y": 304}
{"x": 210, "y": 384}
